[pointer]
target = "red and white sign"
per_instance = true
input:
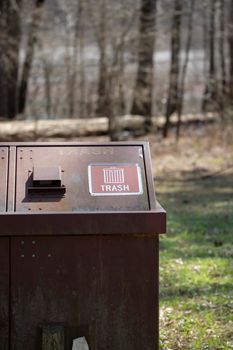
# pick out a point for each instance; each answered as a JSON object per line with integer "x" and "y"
{"x": 114, "y": 179}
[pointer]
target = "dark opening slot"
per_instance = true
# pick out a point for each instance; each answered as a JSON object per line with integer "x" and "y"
{"x": 47, "y": 183}
{"x": 47, "y": 190}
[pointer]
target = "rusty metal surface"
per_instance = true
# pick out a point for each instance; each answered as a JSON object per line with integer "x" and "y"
{"x": 75, "y": 212}
{"x": 79, "y": 263}
{"x": 125, "y": 223}
{"x": 103, "y": 288}
{"x": 74, "y": 162}
{"x": 4, "y": 293}
{"x": 3, "y": 177}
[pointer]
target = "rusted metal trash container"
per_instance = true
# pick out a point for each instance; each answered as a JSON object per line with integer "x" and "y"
{"x": 79, "y": 227}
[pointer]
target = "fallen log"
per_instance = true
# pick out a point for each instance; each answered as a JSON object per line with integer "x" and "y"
{"x": 64, "y": 128}
{"x": 25, "y": 130}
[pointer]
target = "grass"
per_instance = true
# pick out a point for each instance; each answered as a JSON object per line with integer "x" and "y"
{"x": 196, "y": 265}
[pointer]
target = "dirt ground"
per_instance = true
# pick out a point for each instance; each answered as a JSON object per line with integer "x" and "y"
{"x": 200, "y": 152}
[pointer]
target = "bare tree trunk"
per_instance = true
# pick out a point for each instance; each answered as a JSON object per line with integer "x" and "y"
{"x": 115, "y": 79}
{"x": 103, "y": 107}
{"x": 173, "y": 91}
{"x": 185, "y": 65}
{"x": 205, "y": 38}
{"x": 82, "y": 85}
{"x": 3, "y": 58}
{"x": 142, "y": 99}
{"x": 222, "y": 46}
{"x": 121, "y": 95}
{"x": 230, "y": 43}
{"x": 31, "y": 43}
{"x": 210, "y": 97}
{"x": 73, "y": 78}
{"x": 222, "y": 36}
{"x": 47, "y": 67}
{"x": 9, "y": 56}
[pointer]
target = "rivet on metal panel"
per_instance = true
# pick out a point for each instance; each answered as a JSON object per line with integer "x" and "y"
{"x": 22, "y": 255}
{"x": 49, "y": 255}
{"x": 33, "y": 255}
{"x": 22, "y": 242}
{"x": 33, "y": 242}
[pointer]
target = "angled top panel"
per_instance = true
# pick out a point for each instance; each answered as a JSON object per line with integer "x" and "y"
{"x": 3, "y": 177}
{"x": 76, "y": 178}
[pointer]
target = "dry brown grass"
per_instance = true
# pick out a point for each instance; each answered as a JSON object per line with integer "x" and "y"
{"x": 201, "y": 150}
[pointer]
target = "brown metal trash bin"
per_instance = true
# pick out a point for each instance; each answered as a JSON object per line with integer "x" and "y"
{"x": 79, "y": 227}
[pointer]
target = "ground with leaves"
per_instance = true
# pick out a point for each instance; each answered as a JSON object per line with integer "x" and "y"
{"x": 194, "y": 182}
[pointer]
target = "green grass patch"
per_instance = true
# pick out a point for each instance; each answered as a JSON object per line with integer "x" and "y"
{"x": 196, "y": 265}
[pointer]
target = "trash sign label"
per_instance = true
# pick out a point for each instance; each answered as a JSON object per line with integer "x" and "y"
{"x": 114, "y": 179}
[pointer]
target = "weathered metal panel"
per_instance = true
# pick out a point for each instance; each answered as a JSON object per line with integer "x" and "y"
{"x": 74, "y": 163}
{"x": 3, "y": 177}
{"x": 80, "y": 261}
{"x": 101, "y": 287}
{"x": 4, "y": 293}
{"x": 84, "y": 223}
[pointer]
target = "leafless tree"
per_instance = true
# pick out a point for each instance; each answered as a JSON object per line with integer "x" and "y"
{"x": 173, "y": 90}
{"x": 185, "y": 65}
{"x": 142, "y": 99}
{"x": 230, "y": 43}
{"x": 30, "y": 48}
{"x": 116, "y": 76}
{"x": 103, "y": 107}
{"x": 210, "y": 98}
{"x": 75, "y": 48}
{"x": 9, "y": 56}
{"x": 86, "y": 58}
{"x": 222, "y": 52}
{"x": 47, "y": 68}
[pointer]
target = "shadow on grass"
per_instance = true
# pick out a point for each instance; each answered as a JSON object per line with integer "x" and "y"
{"x": 200, "y": 216}
{"x": 196, "y": 291}
{"x": 200, "y": 230}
